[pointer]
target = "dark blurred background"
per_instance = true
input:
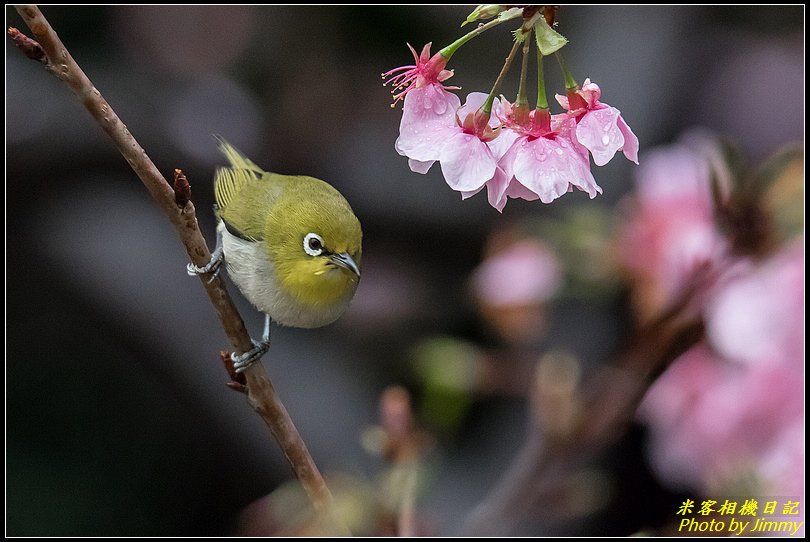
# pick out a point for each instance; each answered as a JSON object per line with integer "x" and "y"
{"x": 118, "y": 420}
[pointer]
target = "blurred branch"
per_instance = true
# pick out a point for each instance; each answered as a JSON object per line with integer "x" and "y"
{"x": 585, "y": 421}
{"x": 403, "y": 444}
{"x": 50, "y": 50}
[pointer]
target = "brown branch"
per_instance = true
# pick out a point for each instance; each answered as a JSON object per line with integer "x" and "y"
{"x": 261, "y": 395}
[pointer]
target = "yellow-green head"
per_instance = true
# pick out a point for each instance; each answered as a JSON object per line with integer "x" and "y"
{"x": 292, "y": 244}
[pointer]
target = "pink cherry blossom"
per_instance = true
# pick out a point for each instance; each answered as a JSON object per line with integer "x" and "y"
{"x": 428, "y": 71}
{"x": 466, "y": 159}
{"x": 542, "y": 162}
{"x": 600, "y": 127}
{"x": 427, "y": 110}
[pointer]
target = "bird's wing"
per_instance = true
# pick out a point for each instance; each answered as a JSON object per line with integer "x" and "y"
{"x": 240, "y": 203}
{"x": 245, "y": 193}
{"x": 229, "y": 182}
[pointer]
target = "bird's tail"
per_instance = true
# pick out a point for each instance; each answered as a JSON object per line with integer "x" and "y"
{"x": 236, "y": 158}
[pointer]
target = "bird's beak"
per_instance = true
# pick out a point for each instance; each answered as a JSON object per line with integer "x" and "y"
{"x": 345, "y": 261}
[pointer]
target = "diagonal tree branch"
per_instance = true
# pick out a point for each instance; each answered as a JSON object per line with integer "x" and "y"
{"x": 49, "y": 50}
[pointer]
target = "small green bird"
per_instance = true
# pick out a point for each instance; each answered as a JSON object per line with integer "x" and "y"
{"x": 292, "y": 244}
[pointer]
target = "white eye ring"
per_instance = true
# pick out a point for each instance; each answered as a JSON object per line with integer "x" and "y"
{"x": 313, "y": 244}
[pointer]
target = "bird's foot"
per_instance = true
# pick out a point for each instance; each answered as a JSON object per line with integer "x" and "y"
{"x": 243, "y": 361}
{"x": 214, "y": 265}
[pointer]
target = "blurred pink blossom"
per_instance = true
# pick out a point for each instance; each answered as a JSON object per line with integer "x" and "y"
{"x": 758, "y": 317}
{"x": 524, "y": 273}
{"x": 734, "y": 406}
{"x": 600, "y": 127}
{"x": 670, "y": 231}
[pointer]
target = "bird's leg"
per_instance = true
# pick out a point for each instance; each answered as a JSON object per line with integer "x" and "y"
{"x": 243, "y": 361}
{"x": 215, "y": 264}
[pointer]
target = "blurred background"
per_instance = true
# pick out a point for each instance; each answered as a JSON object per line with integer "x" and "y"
{"x": 118, "y": 420}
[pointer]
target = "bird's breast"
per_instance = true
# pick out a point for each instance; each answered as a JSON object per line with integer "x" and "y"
{"x": 297, "y": 296}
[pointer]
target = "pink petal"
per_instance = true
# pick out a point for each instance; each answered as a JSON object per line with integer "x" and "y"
{"x": 473, "y": 102}
{"x": 566, "y": 127}
{"x": 425, "y": 55}
{"x": 599, "y": 132}
{"x": 549, "y": 167}
{"x": 591, "y": 93}
{"x": 439, "y": 100}
{"x": 496, "y": 190}
{"x": 468, "y": 194}
{"x": 517, "y": 190}
{"x": 503, "y": 142}
{"x": 420, "y": 167}
{"x": 428, "y": 118}
{"x": 563, "y": 101}
{"x": 467, "y": 163}
{"x": 630, "y": 148}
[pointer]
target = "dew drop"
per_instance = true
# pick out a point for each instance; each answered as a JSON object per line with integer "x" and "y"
{"x": 542, "y": 157}
{"x": 605, "y": 139}
{"x": 558, "y": 151}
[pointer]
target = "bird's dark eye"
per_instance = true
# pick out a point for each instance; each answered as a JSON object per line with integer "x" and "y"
{"x": 313, "y": 244}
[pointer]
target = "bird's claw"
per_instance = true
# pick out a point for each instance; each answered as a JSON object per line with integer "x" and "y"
{"x": 243, "y": 361}
{"x": 214, "y": 265}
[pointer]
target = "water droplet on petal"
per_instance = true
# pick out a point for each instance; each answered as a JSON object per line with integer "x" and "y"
{"x": 605, "y": 139}
{"x": 542, "y": 157}
{"x": 559, "y": 151}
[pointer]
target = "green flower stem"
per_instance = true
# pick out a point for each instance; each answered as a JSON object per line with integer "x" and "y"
{"x": 522, "y": 100}
{"x": 542, "y": 103}
{"x": 487, "y": 107}
{"x": 448, "y": 51}
{"x": 570, "y": 82}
